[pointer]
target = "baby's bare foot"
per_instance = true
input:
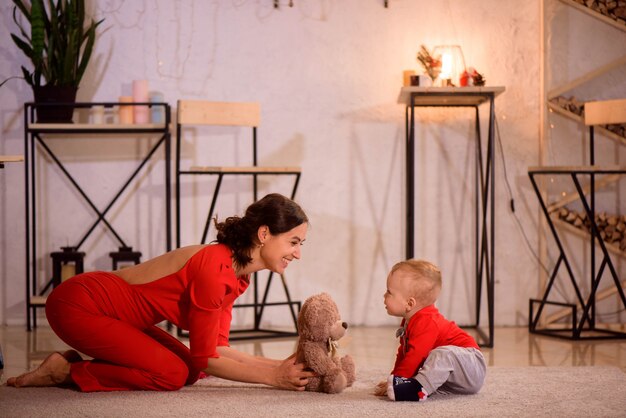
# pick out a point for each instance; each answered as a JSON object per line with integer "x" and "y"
{"x": 54, "y": 371}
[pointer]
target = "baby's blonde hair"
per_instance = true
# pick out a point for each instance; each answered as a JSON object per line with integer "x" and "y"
{"x": 425, "y": 279}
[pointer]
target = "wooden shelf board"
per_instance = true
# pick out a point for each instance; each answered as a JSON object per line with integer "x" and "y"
{"x": 38, "y": 300}
{"x": 558, "y": 91}
{"x": 597, "y": 15}
{"x": 612, "y": 248}
{"x": 566, "y": 312}
{"x": 573, "y": 196}
{"x": 448, "y": 96}
{"x": 246, "y": 169}
{"x": 11, "y": 158}
{"x": 51, "y": 127}
{"x": 577, "y": 118}
{"x": 601, "y": 295}
{"x": 578, "y": 169}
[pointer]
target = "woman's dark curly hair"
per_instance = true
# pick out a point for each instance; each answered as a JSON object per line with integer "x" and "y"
{"x": 279, "y": 213}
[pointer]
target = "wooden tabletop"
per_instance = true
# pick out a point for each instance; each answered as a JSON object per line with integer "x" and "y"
{"x": 448, "y": 96}
{"x": 579, "y": 169}
{"x": 11, "y": 158}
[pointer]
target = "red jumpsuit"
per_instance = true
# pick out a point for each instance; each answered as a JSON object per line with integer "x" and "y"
{"x": 104, "y": 317}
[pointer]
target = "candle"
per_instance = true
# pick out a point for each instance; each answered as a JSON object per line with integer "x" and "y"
{"x": 97, "y": 115}
{"x": 67, "y": 271}
{"x": 157, "y": 115}
{"x": 140, "y": 95}
{"x": 424, "y": 81}
{"x": 407, "y": 77}
{"x": 126, "y": 112}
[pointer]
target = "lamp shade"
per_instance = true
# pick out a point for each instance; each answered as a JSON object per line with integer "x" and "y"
{"x": 452, "y": 63}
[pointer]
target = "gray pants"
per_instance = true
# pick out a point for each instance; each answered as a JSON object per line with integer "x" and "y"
{"x": 451, "y": 369}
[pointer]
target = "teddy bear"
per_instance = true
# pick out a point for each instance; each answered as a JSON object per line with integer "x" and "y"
{"x": 319, "y": 329}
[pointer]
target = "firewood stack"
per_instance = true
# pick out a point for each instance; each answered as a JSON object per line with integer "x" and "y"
{"x": 615, "y": 9}
{"x": 612, "y": 227}
{"x": 571, "y": 104}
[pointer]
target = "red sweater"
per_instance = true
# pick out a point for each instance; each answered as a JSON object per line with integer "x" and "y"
{"x": 427, "y": 329}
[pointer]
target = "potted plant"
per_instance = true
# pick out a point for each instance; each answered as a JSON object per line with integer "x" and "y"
{"x": 59, "y": 45}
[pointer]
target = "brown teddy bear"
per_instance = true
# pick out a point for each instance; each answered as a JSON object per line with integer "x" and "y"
{"x": 320, "y": 327}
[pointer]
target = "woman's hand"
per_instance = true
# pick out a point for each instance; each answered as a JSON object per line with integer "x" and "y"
{"x": 381, "y": 389}
{"x": 291, "y": 375}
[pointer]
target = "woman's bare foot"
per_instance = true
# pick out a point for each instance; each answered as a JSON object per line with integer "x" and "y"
{"x": 54, "y": 371}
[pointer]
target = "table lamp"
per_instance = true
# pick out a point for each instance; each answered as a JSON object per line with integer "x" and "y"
{"x": 452, "y": 64}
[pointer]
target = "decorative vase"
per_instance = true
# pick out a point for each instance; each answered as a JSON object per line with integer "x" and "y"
{"x": 57, "y": 103}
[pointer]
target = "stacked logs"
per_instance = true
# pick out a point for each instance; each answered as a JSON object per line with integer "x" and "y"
{"x": 612, "y": 227}
{"x": 573, "y": 105}
{"x": 615, "y": 9}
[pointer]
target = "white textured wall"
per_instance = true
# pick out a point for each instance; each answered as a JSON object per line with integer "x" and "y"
{"x": 327, "y": 74}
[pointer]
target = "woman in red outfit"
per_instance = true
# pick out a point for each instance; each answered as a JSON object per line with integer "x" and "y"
{"x": 111, "y": 317}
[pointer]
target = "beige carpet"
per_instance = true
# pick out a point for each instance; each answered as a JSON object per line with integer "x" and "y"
{"x": 508, "y": 392}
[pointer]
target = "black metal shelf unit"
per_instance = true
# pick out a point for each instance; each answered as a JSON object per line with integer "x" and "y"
{"x": 583, "y": 324}
{"x": 34, "y": 142}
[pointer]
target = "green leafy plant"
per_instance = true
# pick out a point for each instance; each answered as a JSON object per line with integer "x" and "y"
{"x": 59, "y": 43}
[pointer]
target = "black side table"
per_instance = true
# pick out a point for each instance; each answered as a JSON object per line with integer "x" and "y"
{"x": 472, "y": 97}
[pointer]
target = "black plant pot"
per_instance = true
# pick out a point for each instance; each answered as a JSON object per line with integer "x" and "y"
{"x": 54, "y": 103}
